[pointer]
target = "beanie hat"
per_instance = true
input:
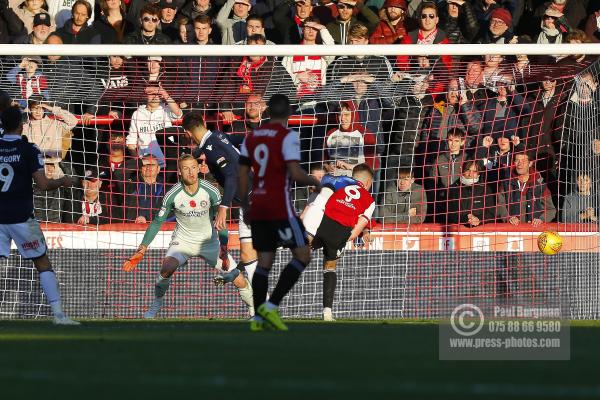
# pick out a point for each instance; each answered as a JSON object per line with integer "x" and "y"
{"x": 503, "y": 15}
{"x": 396, "y": 3}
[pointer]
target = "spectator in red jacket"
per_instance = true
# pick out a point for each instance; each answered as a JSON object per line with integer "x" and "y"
{"x": 428, "y": 33}
{"x": 391, "y": 27}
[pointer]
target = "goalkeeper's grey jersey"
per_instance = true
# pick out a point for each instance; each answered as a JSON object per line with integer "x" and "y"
{"x": 194, "y": 212}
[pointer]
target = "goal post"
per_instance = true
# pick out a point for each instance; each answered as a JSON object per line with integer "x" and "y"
{"x": 474, "y": 156}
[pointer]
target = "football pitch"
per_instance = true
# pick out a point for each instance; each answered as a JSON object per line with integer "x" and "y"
{"x": 223, "y": 360}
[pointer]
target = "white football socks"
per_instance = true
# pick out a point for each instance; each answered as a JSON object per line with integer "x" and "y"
{"x": 50, "y": 287}
{"x": 161, "y": 286}
{"x": 246, "y": 295}
{"x": 250, "y": 268}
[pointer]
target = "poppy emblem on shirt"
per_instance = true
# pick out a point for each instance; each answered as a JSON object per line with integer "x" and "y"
{"x": 192, "y": 204}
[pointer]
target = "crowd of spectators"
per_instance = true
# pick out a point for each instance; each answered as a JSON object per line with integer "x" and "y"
{"x": 452, "y": 140}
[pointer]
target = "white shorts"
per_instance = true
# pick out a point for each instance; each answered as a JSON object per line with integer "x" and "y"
{"x": 313, "y": 213}
{"x": 312, "y": 219}
{"x": 209, "y": 249}
{"x": 244, "y": 231}
{"x": 28, "y": 237}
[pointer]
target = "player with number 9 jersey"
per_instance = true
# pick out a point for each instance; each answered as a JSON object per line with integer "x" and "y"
{"x": 20, "y": 162}
{"x": 19, "y": 159}
{"x": 267, "y": 150}
{"x": 272, "y": 151}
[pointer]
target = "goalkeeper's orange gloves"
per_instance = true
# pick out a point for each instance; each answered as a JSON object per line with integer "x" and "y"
{"x": 132, "y": 263}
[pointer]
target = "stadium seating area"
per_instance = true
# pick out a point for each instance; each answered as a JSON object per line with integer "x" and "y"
{"x": 453, "y": 140}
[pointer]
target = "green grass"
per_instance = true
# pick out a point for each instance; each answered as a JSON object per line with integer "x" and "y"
{"x": 223, "y": 360}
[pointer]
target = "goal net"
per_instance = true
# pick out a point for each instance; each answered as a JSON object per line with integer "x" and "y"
{"x": 474, "y": 157}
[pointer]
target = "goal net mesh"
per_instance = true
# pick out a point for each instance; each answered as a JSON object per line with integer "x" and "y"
{"x": 473, "y": 158}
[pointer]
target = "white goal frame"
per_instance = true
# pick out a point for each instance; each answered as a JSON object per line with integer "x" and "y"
{"x": 299, "y": 50}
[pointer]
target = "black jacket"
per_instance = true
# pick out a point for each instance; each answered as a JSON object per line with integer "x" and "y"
{"x": 462, "y": 29}
{"x": 138, "y": 38}
{"x": 135, "y": 6}
{"x": 286, "y": 28}
{"x": 113, "y": 184}
{"x": 497, "y": 166}
{"x": 86, "y": 35}
{"x": 171, "y": 30}
{"x": 339, "y": 29}
{"x": 108, "y": 34}
{"x": 485, "y": 36}
{"x": 23, "y": 39}
{"x": 204, "y": 76}
{"x": 545, "y": 122}
{"x": 478, "y": 199}
{"x": 11, "y": 26}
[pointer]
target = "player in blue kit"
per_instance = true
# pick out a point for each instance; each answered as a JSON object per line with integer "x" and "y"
{"x": 20, "y": 161}
{"x": 222, "y": 160}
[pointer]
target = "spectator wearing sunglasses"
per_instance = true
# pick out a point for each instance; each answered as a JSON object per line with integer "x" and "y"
{"x": 554, "y": 28}
{"x": 148, "y": 32}
{"x": 428, "y": 33}
{"x": 345, "y": 19}
{"x": 573, "y": 10}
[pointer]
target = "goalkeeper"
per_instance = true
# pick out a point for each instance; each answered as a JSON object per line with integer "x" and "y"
{"x": 194, "y": 202}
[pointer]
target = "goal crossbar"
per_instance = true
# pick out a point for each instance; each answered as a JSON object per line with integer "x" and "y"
{"x": 299, "y": 50}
